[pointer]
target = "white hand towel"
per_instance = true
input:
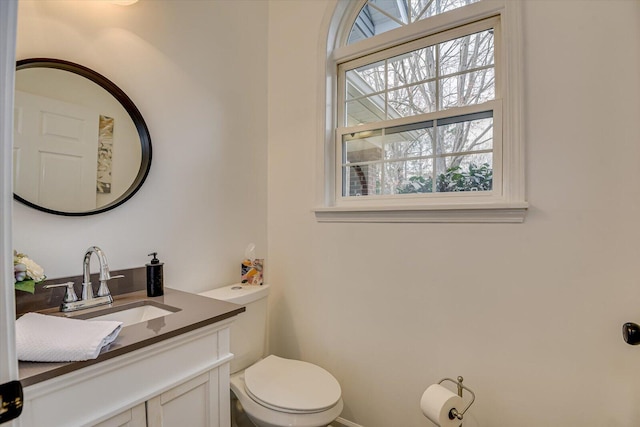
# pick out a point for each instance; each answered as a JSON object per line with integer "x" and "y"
{"x": 42, "y": 338}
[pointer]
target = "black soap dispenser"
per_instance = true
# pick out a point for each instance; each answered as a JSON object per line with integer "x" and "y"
{"x": 155, "y": 285}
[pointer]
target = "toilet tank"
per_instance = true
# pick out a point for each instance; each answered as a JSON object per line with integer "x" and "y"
{"x": 249, "y": 329}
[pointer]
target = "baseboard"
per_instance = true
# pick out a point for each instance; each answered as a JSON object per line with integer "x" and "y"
{"x": 341, "y": 422}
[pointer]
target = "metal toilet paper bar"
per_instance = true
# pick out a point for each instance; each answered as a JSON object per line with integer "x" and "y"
{"x": 454, "y": 413}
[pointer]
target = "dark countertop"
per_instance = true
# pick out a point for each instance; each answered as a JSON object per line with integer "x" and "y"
{"x": 195, "y": 312}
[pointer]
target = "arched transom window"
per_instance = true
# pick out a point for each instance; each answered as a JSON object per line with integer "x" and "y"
{"x": 379, "y": 16}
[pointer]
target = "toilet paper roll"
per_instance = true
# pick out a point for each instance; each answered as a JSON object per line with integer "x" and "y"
{"x": 436, "y": 403}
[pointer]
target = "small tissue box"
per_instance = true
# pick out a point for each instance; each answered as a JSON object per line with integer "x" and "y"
{"x": 252, "y": 271}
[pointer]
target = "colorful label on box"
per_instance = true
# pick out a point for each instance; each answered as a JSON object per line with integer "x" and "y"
{"x": 252, "y": 271}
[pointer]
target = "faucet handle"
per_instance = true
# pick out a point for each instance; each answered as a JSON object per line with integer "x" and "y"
{"x": 69, "y": 294}
{"x": 103, "y": 290}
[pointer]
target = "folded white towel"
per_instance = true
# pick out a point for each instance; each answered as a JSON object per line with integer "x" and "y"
{"x": 42, "y": 338}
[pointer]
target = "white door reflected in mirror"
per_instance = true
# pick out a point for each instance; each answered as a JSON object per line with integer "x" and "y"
{"x": 55, "y": 152}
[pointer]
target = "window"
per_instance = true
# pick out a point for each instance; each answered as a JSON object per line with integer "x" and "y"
{"x": 429, "y": 107}
{"x": 423, "y": 130}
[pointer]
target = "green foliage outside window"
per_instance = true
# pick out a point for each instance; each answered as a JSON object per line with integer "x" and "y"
{"x": 476, "y": 178}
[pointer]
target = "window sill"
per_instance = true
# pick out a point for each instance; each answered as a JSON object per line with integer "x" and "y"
{"x": 502, "y": 213}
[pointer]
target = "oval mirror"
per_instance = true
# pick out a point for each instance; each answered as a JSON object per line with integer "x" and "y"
{"x": 81, "y": 146}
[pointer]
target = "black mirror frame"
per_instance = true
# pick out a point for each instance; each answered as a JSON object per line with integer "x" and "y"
{"x": 129, "y": 106}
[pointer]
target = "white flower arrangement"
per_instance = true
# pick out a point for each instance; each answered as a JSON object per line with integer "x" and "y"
{"x": 26, "y": 273}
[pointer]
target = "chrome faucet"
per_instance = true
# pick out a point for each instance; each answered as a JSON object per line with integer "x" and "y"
{"x": 103, "y": 290}
{"x": 71, "y": 301}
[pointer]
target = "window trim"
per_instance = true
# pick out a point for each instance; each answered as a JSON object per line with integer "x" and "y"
{"x": 507, "y": 206}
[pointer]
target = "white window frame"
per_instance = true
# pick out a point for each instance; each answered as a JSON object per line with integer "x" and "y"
{"x": 506, "y": 203}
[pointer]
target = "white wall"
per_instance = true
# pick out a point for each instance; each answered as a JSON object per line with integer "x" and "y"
{"x": 197, "y": 72}
{"x": 530, "y": 314}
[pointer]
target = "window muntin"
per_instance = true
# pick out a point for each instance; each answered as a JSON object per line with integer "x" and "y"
{"x": 420, "y": 120}
{"x": 379, "y": 16}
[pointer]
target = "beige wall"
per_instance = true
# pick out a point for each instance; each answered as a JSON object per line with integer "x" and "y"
{"x": 530, "y": 314}
{"x": 196, "y": 70}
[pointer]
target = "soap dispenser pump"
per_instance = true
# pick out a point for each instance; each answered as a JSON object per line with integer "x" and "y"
{"x": 155, "y": 285}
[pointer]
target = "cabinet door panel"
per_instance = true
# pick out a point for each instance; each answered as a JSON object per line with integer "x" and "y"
{"x": 134, "y": 417}
{"x": 188, "y": 404}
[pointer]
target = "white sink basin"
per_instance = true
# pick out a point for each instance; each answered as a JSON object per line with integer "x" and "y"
{"x": 135, "y": 315}
{"x": 130, "y": 314}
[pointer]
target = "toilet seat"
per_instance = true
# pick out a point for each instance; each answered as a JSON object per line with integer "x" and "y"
{"x": 262, "y": 416}
{"x": 291, "y": 386}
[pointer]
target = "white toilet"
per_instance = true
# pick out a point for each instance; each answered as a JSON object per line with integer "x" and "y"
{"x": 274, "y": 392}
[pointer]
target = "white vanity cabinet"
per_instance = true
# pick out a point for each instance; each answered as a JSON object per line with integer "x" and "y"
{"x": 180, "y": 381}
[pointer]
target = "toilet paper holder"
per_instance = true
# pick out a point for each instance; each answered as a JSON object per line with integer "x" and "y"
{"x": 454, "y": 413}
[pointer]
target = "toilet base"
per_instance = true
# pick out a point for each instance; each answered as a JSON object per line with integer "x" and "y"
{"x": 239, "y": 417}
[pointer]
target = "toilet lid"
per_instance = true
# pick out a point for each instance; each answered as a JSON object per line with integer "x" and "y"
{"x": 291, "y": 385}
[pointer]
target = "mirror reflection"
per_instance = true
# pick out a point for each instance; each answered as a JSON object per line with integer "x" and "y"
{"x": 80, "y": 145}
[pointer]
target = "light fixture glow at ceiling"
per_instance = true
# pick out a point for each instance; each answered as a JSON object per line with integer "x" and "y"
{"x": 123, "y": 2}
